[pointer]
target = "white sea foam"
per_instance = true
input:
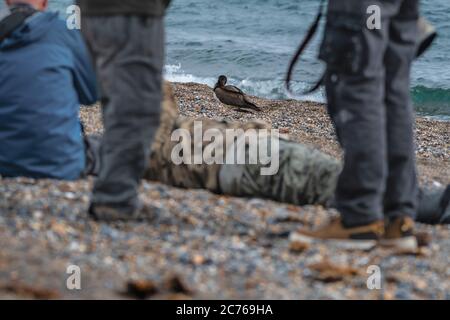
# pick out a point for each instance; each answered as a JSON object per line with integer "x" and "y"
{"x": 271, "y": 89}
{"x": 174, "y": 73}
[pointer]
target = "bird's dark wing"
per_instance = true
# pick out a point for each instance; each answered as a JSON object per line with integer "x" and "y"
{"x": 235, "y": 99}
{"x": 251, "y": 105}
{"x": 231, "y": 98}
{"x": 233, "y": 89}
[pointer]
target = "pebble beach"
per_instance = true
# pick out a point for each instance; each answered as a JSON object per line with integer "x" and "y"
{"x": 201, "y": 245}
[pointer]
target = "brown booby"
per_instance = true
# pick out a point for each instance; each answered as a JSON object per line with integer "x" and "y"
{"x": 233, "y": 96}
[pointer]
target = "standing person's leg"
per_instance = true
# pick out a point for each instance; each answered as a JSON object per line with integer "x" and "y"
{"x": 355, "y": 85}
{"x": 401, "y": 189}
{"x": 355, "y": 89}
{"x": 92, "y": 151}
{"x": 401, "y": 197}
{"x": 128, "y": 52}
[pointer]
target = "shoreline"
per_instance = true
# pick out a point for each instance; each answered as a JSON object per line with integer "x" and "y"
{"x": 218, "y": 247}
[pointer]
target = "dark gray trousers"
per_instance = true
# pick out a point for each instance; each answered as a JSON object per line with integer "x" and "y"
{"x": 128, "y": 52}
{"x": 367, "y": 84}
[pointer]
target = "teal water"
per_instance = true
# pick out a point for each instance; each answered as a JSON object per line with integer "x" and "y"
{"x": 252, "y": 41}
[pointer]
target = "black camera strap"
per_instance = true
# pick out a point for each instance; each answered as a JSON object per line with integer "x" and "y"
{"x": 303, "y": 45}
{"x": 14, "y": 20}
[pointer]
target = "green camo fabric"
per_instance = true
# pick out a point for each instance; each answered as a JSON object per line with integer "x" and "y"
{"x": 305, "y": 176}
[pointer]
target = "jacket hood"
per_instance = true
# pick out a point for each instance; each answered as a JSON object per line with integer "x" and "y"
{"x": 33, "y": 29}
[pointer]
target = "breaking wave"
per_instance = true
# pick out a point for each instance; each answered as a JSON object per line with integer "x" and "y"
{"x": 427, "y": 101}
{"x": 270, "y": 89}
{"x": 432, "y": 101}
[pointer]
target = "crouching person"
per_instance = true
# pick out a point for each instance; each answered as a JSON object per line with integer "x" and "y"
{"x": 45, "y": 74}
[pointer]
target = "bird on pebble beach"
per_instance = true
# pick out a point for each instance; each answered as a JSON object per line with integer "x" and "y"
{"x": 233, "y": 96}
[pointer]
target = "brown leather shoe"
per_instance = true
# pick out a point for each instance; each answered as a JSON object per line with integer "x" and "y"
{"x": 358, "y": 238}
{"x": 399, "y": 235}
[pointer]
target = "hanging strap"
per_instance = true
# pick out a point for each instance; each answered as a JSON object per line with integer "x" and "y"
{"x": 14, "y": 20}
{"x": 312, "y": 30}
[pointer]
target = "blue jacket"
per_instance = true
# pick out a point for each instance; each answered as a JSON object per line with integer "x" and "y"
{"x": 45, "y": 74}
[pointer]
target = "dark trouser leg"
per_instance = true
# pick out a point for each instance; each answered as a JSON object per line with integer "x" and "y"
{"x": 355, "y": 88}
{"x": 401, "y": 187}
{"x": 92, "y": 151}
{"x": 432, "y": 205}
{"x": 128, "y": 53}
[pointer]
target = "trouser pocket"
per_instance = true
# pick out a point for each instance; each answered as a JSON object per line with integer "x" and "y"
{"x": 343, "y": 48}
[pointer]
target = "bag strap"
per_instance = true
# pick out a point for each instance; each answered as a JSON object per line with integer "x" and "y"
{"x": 303, "y": 45}
{"x": 14, "y": 20}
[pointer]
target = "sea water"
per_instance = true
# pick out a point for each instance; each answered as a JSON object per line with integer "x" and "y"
{"x": 252, "y": 41}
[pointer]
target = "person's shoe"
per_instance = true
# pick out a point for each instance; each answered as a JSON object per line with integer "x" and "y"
{"x": 399, "y": 235}
{"x": 357, "y": 238}
{"x": 111, "y": 214}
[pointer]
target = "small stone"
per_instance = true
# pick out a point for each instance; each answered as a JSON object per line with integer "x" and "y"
{"x": 141, "y": 289}
{"x": 37, "y": 214}
{"x": 59, "y": 228}
{"x": 327, "y": 271}
{"x": 298, "y": 247}
{"x": 24, "y": 290}
{"x": 424, "y": 239}
{"x": 198, "y": 260}
{"x": 175, "y": 284}
{"x": 69, "y": 195}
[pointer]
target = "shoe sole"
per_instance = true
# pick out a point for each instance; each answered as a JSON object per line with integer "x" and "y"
{"x": 363, "y": 245}
{"x": 406, "y": 244}
{"x": 108, "y": 217}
